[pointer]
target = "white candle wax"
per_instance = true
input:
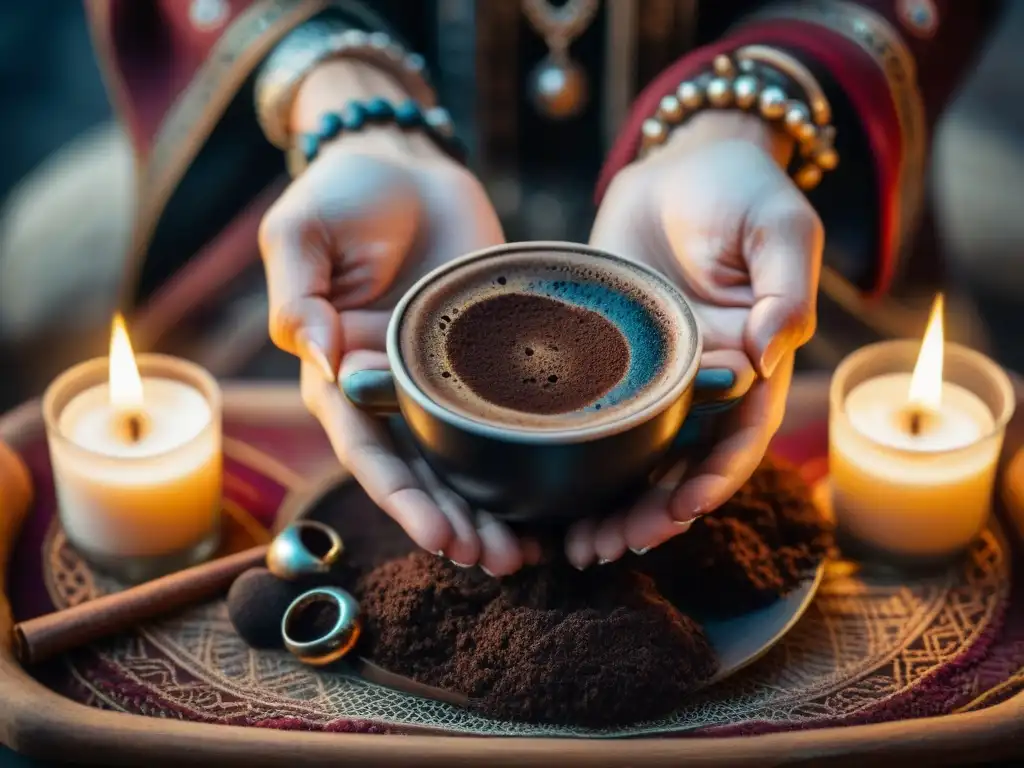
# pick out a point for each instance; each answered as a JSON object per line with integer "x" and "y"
{"x": 157, "y": 495}
{"x": 925, "y": 494}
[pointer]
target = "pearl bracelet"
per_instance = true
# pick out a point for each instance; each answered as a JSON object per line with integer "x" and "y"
{"x": 756, "y": 79}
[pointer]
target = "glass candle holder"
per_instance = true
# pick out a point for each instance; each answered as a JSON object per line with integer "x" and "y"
{"x": 905, "y": 493}
{"x": 143, "y": 502}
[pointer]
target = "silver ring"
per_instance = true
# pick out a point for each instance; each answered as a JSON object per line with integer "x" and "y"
{"x": 321, "y": 625}
{"x": 302, "y": 549}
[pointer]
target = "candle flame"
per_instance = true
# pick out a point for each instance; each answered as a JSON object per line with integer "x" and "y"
{"x": 926, "y": 383}
{"x": 125, "y": 381}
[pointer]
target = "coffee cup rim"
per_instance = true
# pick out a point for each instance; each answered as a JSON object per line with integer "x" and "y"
{"x": 405, "y": 382}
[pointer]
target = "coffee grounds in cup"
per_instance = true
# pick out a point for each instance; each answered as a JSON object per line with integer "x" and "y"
{"x": 548, "y": 645}
{"x": 757, "y": 547}
{"x": 535, "y": 354}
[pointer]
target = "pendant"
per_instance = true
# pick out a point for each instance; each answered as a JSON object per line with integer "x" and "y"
{"x": 558, "y": 87}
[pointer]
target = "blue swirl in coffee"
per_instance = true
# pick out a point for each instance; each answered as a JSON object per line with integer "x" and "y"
{"x": 643, "y": 334}
{"x": 547, "y": 340}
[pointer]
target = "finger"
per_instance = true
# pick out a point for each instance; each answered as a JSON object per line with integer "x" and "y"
{"x": 363, "y": 329}
{"x": 363, "y": 445}
{"x": 579, "y": 544}
{"x": 610, "y": 539}
{"x": 533, "y": 553}
{"x": 298, "y": 271}
{"x": 714, "y": 272}
{"x": 783, "y": 247}
{"x": 500, "y": 554}
{"x": 737, "y": 362}
{"x": 464, "y": 548}
{"x": 747, "y": 431}
{"x": 649, "y": 523}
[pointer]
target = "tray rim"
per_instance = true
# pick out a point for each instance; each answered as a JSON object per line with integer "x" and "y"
{"x": 38, "y": 722}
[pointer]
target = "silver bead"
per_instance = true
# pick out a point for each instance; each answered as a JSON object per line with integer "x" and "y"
{"x": 796, "y": 119}
{"x": 395, "y": 52}
{"x": 807, "y": 134}
{"x": 745, "y": 91}
{"x": 772, "y": 103}
{"x": 808, "y": 177}
{"x": 720, "y": 92}
{"x": 690, "y": 95}
{"x": 747, "y": 66}
{"x": 653, "y": 132}
{"x": 415, "y": 63}
{"x": 379, "y": 40}
{"x": 826, "y": 158}
{"x": 670, "y": 109}
{"x": 353, "y": 38}
{"x": 439, "y": 119}
{"x": 722, "y": 65}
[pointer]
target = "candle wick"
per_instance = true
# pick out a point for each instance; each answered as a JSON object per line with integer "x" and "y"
{"x": 915, "y": 423}
{"x": 134, "y": 428}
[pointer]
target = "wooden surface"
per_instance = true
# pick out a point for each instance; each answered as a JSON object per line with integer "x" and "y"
{"x": 37, "y": 722}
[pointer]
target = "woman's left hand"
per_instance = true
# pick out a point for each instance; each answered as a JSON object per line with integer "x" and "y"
{"x": 715, "y": 211}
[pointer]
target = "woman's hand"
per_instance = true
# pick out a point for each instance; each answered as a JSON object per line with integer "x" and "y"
{"x": 372, "y": 213}
{"x": 715, "y": 211}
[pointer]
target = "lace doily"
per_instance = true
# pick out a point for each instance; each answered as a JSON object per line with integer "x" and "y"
{"x": 862, "y": 646}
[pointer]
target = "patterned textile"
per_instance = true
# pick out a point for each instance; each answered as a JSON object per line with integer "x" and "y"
{"x": 868, "y": 650}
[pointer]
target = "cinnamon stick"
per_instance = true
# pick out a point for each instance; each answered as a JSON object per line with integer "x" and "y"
{"x": 42, "y": 638}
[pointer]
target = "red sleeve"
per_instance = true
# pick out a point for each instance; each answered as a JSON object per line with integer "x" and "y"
{"x": 896, "y": 67}
{"x": 155, "y": 53}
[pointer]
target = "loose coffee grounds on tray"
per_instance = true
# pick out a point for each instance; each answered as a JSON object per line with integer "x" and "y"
{"x": 548, "y": 645}
{"x": 607, "y": 646}
{"x": 535, "y": 354}
{"x": 756, "y": 548}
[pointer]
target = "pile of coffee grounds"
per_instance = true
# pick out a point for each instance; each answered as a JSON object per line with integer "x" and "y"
{"x": 536, "y": 355}
{"x": 753, "y": 550}
{"x": 607, "y": 646}
{"x": 548, "y": 645}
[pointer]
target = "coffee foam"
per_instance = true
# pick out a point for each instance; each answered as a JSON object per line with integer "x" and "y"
{"x": 660, "y": 334}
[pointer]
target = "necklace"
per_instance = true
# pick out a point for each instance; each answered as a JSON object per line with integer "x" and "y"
{"x": 558, "y": 85}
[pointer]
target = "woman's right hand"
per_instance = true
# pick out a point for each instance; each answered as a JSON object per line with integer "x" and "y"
{"x": 372, "y": 213}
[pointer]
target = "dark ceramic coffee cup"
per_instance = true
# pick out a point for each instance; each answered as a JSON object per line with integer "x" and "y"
{"x": 564, "y": 467}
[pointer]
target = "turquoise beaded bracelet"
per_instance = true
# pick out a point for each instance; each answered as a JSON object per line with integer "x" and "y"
{"x": 407, "y": 115}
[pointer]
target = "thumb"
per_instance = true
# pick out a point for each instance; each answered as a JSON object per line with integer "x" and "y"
{"x": 302, "y": 319}
{"x": 783, "y": 245}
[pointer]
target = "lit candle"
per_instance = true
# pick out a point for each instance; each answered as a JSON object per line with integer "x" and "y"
{"x": 913, "y": 452}
{"x": 136, "y": 454}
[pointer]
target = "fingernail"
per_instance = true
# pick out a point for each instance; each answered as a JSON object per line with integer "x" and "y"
{"x": 486, "y": 571}
{"x": 641, "y": 551}
{"x": 439, "y": 553}
{"x": 603, "y": 561}
{"x": 577, "y": 566}
{"x": 684, "y": 525}
{"x": 460, "y": 565}
{"x": 772, "y": 355}
{"x": 314, "y": 354}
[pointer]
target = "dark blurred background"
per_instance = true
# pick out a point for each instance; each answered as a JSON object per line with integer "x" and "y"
{"x": 66, "y": 189}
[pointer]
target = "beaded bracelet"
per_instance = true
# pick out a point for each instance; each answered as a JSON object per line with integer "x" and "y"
{"x": 320, "y": 40}
{"x": 407, "y": 115}
{"x": 757, "y": 79}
